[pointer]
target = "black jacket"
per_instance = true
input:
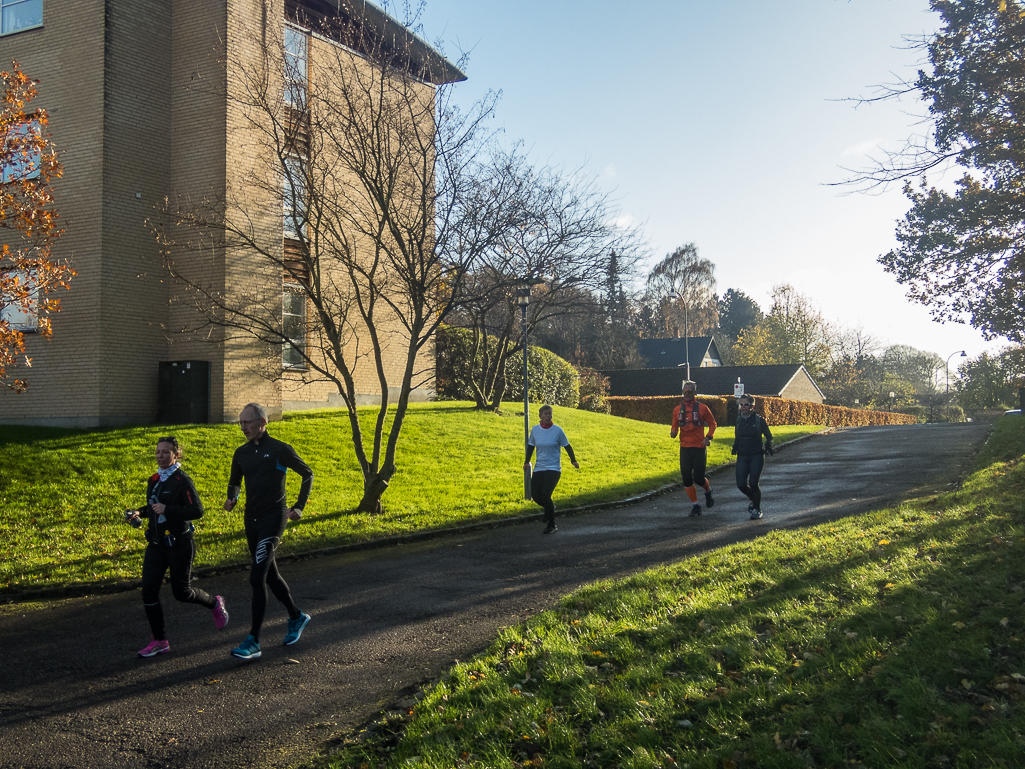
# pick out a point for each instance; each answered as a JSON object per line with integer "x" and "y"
{"x": 183, "y": 507}
{"x": 263, "y": 464}
{"x": 748, "y": 436}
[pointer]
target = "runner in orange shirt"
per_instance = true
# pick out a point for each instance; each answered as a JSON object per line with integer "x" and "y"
{"x": 690, "y": 420}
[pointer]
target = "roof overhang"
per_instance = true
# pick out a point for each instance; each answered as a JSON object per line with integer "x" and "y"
{"x": 410, "y": 51}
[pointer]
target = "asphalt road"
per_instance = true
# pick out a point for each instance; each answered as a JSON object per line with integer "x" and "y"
{"x": 73, "y": 693}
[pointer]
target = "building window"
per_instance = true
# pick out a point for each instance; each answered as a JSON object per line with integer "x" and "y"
{"x": 25, "y": 159}
{"x": 294, "y": 199}
{"x": 293, "y": 326}
{"x": 19, "y": 15}
{"x": 296, "y": 60}
{"x": 19, "y": 316}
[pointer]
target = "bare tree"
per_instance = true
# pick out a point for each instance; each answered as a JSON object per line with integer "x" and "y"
{"x": 361, "y": 202}
{"x": 559, "y": 230}
{"x": 692, "y": 280}
{"x": 853, "y": 343}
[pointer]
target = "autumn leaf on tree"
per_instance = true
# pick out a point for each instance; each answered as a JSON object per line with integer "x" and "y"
{"x": 28, "y": 272}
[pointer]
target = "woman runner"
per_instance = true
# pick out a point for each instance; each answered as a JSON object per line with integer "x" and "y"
{"x": 173, "y": 506}
{"x": 549, "y": 439}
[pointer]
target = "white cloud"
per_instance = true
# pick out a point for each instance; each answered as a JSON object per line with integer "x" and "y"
{"x": 625, "y": 221}
{"x": 862, "y": 148}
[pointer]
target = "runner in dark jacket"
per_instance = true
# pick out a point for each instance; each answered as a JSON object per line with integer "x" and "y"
{"x": 263, "y": 463}
{"x": 173, "y": 506}
{"x": 747, "y": 445}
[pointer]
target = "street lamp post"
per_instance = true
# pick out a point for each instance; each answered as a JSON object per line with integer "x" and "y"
{"x": 946, "y": 404}
{"x": 523, "y": 300}
{"x": 676, "y": 296}
{"x": 963, "y": 355}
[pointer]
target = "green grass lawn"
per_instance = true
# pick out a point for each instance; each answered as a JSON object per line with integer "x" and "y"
{"x": 63, "y": 492}
{"x": 891, "y": 639}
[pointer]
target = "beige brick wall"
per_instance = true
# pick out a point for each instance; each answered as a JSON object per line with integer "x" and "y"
{"x": 197, "y": 173}
{"x": 253, "y": 190}
{"x": 66, "y": 54}
{"x": 136, "y": 149}
{"x": 138, "y": 92}
{"x": 801, "y": 388}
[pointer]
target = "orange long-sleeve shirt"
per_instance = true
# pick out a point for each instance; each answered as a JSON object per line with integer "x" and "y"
{"x": 692, "y": 431}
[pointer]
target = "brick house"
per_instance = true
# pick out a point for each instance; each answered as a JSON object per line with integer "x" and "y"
{"x": 136, "y": 94}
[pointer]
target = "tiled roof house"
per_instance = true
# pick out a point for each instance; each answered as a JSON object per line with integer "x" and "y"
{"x": 780, "y": 381}
{"x": 670, "y": 351}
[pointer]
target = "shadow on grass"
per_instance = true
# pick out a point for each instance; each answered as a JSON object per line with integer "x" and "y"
{"x": 894, "y": 669}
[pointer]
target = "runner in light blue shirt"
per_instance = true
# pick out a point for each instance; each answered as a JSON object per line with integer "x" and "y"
{"x": 549, "y": 440}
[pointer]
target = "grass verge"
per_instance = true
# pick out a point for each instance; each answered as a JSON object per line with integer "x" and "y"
{"x": 891, "y": 639}
{"x": 62, "y": 492}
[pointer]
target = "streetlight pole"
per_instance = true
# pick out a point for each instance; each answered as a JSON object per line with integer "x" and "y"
{"x": 677, "y": 297}
{"x": 523, "y": 287}
{"x": 963, "y": 355}
{"x": 946, "y": 398}
{"x": 523, "y": 299}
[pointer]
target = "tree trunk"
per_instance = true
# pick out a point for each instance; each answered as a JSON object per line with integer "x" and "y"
{"x": 374, "y": 487}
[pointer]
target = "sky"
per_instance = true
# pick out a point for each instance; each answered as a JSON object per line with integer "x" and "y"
{"x": 723, "y": 125}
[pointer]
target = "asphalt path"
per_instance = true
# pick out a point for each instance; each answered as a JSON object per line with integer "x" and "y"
{"x": 73, "y": 693}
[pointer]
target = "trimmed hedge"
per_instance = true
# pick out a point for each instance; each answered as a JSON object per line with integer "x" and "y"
{"x": 594, "y": 391}
{"x": 553, "y": 380}
{"x": 776, "y": 411}
{"x": 659, "y": 409}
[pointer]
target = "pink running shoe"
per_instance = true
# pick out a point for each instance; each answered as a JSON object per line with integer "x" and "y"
{"x": 155, "y": 647}
{"x": 220, "y": 613}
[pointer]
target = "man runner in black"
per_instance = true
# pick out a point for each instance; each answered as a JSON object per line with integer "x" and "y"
{"x": 747, "y": 445}
{"x": 264, "y": 462}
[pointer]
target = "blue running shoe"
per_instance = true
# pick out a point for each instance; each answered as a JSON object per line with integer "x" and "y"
{"x": 295, "y": 628}
{"x": 247, "y": 650}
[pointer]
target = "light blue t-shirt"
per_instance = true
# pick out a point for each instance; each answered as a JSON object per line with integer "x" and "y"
{"x": 548, "y": 445}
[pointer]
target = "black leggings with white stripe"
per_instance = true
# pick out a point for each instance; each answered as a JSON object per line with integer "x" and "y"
{"x": 263, "y": 537}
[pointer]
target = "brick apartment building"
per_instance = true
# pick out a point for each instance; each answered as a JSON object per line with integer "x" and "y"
{"x": 136, "y": 92}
